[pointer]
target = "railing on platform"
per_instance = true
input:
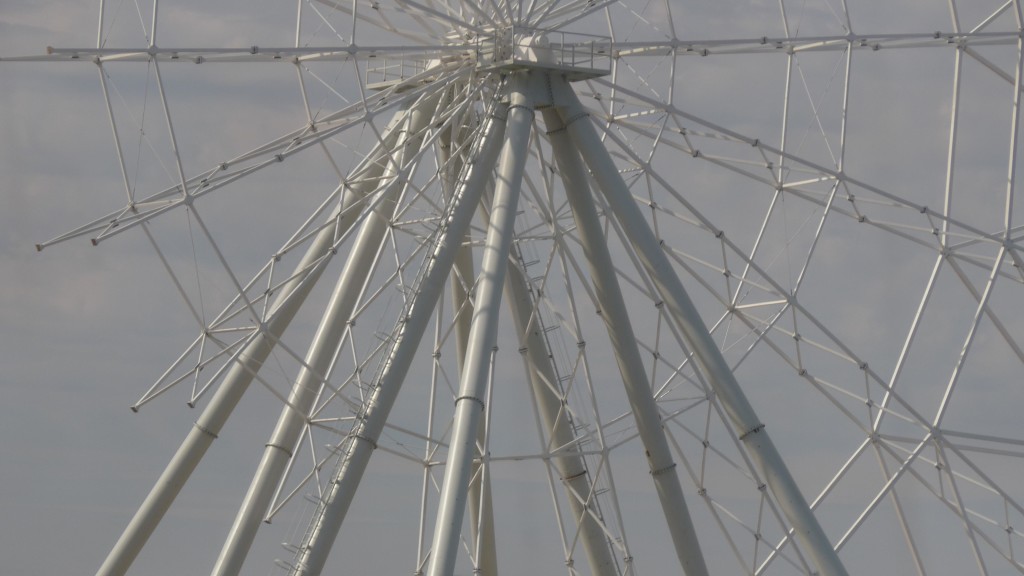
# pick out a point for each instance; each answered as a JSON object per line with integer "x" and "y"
{"x": 536, "y": 48}
{"x": 385, "y": 70}
{"x": 575, "y": 55}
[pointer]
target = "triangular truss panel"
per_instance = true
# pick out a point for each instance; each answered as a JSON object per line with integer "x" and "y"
{"x": 551, "y": 286}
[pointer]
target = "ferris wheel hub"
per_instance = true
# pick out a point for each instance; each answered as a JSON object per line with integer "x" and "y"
{"x": 573, "y": 55}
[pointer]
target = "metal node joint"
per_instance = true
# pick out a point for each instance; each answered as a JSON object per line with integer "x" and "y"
{"x": 753, "y": 430}
{"x": 663, "y": 469}
{"x": 523, "y": 107}
{"x": 205, "y": 430}
{"x": 473, "y": 398}
{"x": 570, "y": 120}
{"x": 281, "y": 448}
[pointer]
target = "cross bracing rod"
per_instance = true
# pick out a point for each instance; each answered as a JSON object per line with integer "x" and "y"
{"x": 332, "y": 327}
{"x": 569, "y": 463}
{"x": 627, "y": 353}
{"x": 241, "y": 373}
{"x": 475, "y": 376}
{"x": 269, "y": 54}
{"x": 709, "y": 358}
{"x": 480, "y": 500}
{"x": 680, "y": 46}
{"x": 229, "y": 171}
{"x": 791, "y": 45}
{"x": 360, "y": 443}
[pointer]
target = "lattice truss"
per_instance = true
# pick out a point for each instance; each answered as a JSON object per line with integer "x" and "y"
{"x": 832, "y": 183}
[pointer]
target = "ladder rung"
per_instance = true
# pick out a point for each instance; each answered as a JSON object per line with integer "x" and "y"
{"x": 284, "y": 565}
{"x": 293, "y": 548}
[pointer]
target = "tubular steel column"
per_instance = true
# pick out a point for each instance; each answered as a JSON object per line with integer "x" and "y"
{"x": 246, "y": 364}
{"x": 627, "y": 353}
{"x": 745, "y": 421}
{"x": 481, "y": 506}
{"x": 568, "y": 462}
{"x": 482, "y": 335}
{"x": 322, "y": 350}
{"x": 362, "y": 440}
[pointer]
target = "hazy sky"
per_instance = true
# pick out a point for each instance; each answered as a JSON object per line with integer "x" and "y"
{"x": 85, "y": 330}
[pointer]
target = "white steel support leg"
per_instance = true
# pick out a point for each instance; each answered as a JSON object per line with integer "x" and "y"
{"x": 480, "y": 503}
{"x": 481, "y": 508}
{"x": 483, "y": 334}
{"x": 709, "y": 358}
{"x": 321, "y": 353}
{"x": 247, "y": 363}
{"x": 360, "y": 443}
{"x": 627, "y": 353}
{"x": 567, "y": 461}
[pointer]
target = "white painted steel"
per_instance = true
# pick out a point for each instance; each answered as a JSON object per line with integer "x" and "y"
{"x": 384, "y": 172}
{"x": 614, "y": 312}
{"x": 749, "y": 428}
{"x": 459, "y": 284}
{"x": 482, "y": 342}
{"x": 888, "y": 461}
{"x": 362, "y": 440}
{"x": 244, "y": 368}
{"x": 571, "y": 467}
{"x": 205, "y": 430}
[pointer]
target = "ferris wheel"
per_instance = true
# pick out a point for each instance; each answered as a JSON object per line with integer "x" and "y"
{"x": 607, "y": 287}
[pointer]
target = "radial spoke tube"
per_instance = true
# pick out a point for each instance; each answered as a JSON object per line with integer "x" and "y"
{"x": 248, "y": 362}
{"x": 483, "y": 334}
{"x": 350, "y": 286}
{"x": 362, "y": 440}
{"x": 709, "y": 358}
{"x": 627, "y": 353}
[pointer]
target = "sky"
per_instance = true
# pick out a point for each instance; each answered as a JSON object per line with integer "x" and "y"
{"x": 85, "y": 330}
